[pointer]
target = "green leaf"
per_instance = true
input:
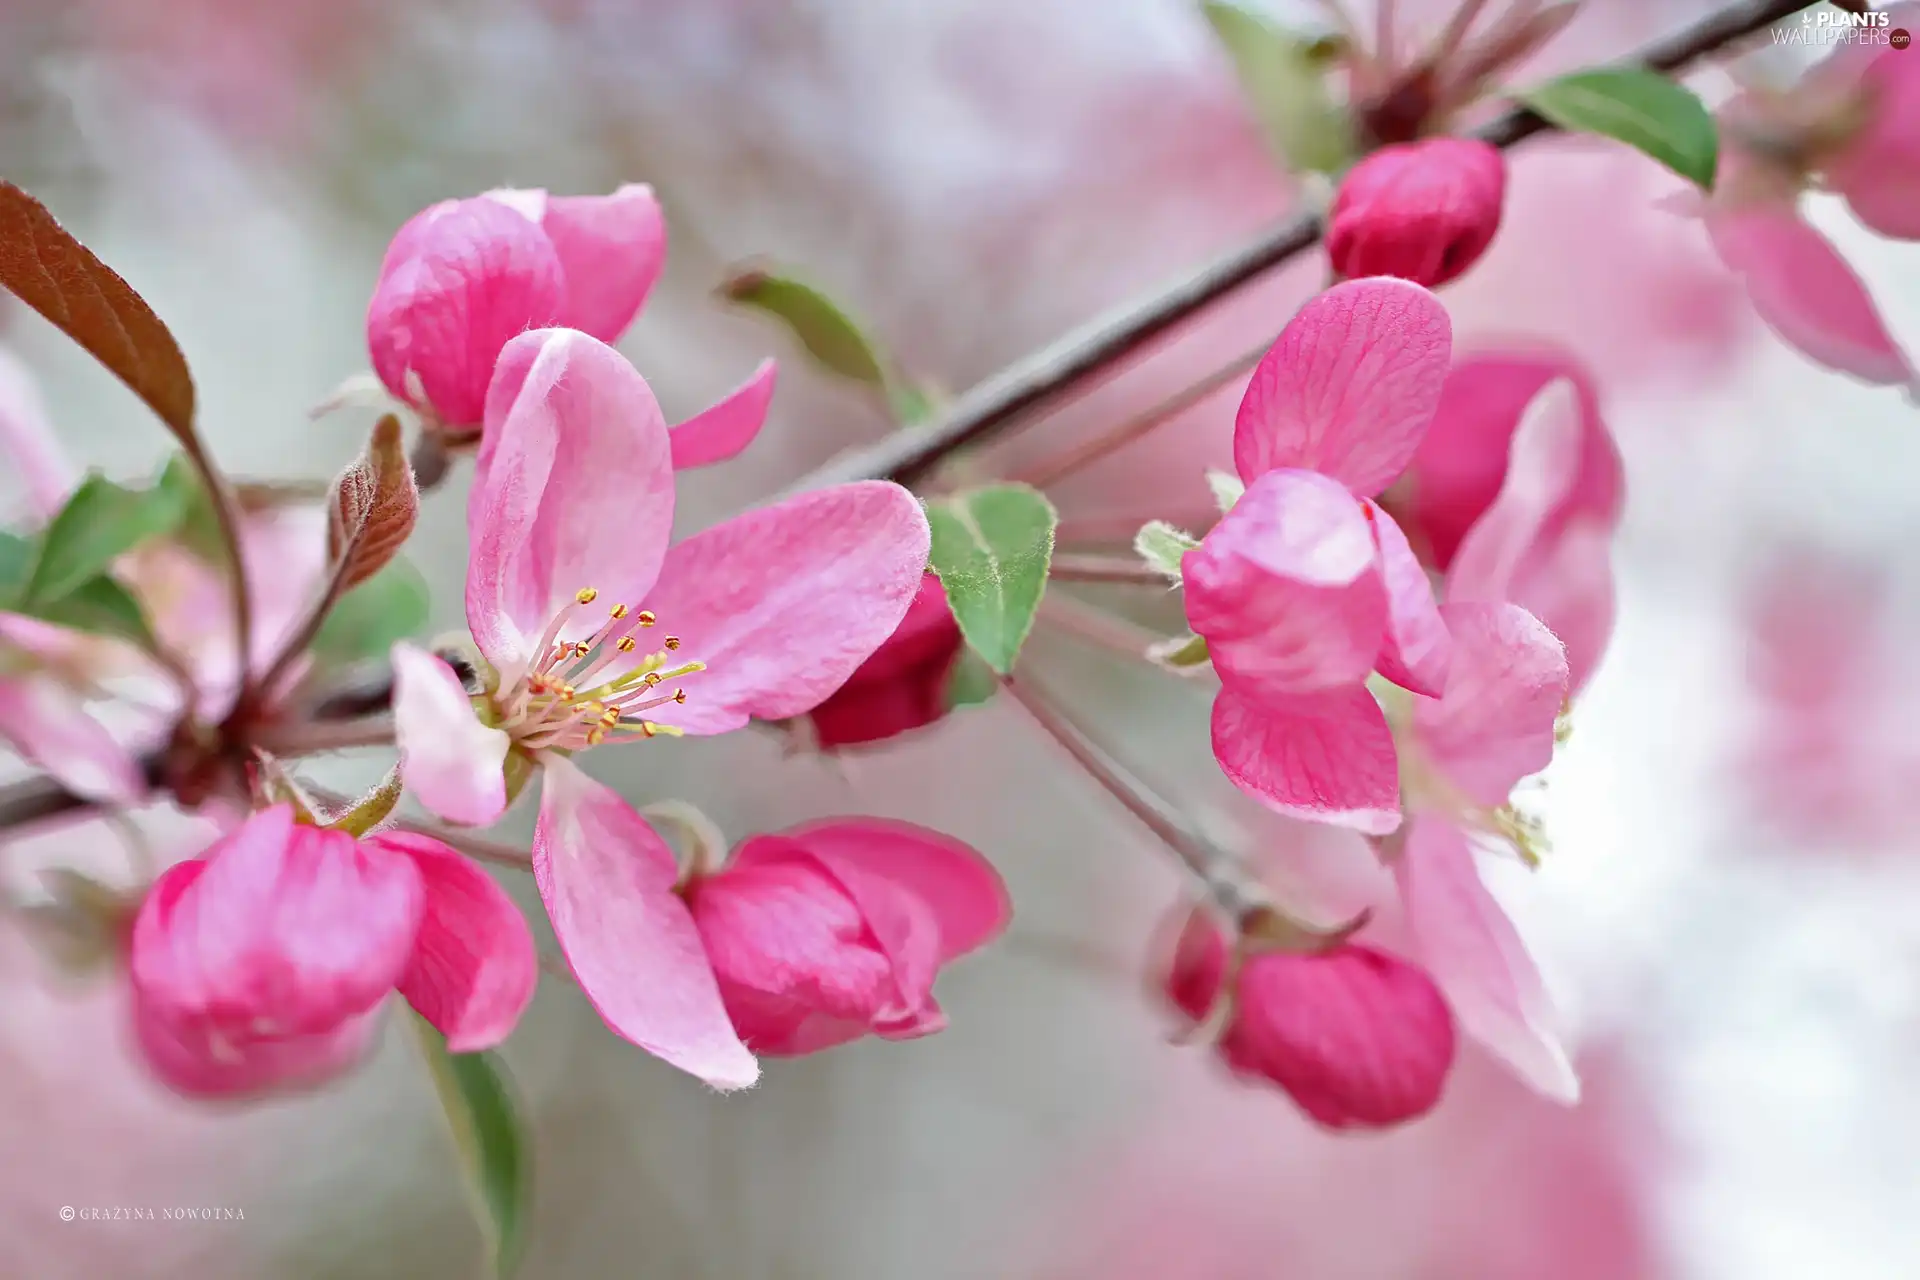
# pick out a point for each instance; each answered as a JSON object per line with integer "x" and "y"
{"x": 99, "y": 605}
{"x": 992, "y": 548}
{"x": 1227, "y": 489}
{"x": 101, "y": 522}
{"x": 199, "y": 528}
{"x": 1641, "y": 108}
{"x": 911, "y": 405}
{"x": 828, "y": 333}
{"x": 971, "y": 682}
{"x": 1284, "y": 77}
{"x": 1163, "y": 547}
{"x": 389, "y": 606}
{"x": 17, "y": 555}
{"x": 1184, "y": 655}
{"x": 371, "y": 809}
{"x": 495, "y": 1150}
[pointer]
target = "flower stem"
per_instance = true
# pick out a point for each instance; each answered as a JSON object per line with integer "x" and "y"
{"x": 1082, "y": 567}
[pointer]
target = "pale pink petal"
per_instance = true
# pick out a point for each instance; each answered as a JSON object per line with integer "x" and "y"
{"x": 452, "y": 763}
{"x": 474, "y": 967}
{"x": 1542, "y": 473}
{"x": 1417, "y": 652}
{"x": 1568, "y": 585}
{"x": 1495, "y": 726}
{"x": 27, "y": 437}
{"x": 459, "y": 281}
{"x": 51, "y": 728}
{"x": 1286, "y": 588}
{"x": 612, "y": 248}
{"x": 575, "y": 490}
{"x": 1473, "y": 952}
{"x": 723, "y": 430}
{"x": 968, "y": 898}
{"x": 785, "y": 602}
{"x": 1327, "y": 757}
{"x": 1349, "y": 388}
{"x": 1807, "y": 293}
{"x": 608, "y": 881}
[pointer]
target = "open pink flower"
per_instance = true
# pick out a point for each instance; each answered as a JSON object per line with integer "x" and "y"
{"x": 1307, "y": 585}
{"x": 1461, "y": 758}
{"x": 903, "y": 686}
{"x": 264, "y": 963}
{"x": 569, "y": 579}
{"x": 1358, "y": 1038}
{"x": 464, "y": 277}
{"x": 837, "y": 929}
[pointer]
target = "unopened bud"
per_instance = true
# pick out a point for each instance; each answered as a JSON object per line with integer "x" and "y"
{"x": 1423, "y": 211}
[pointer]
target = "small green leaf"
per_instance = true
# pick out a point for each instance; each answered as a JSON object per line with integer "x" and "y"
{"x": 495, "y": 1150}
{"x": 992, "y": 548}
{"x": 1284, "y": 76}
{"x": 199, "y": 528}
{"x": 1184, "y": 655}
{"x": 1641, "y": 108}
{"x": 389, "y": 606}
{"x": 16, "y": 564}
{"x": 971, "y": 682}
{"x": 1227, "y": 489}
{"x": 101, "y": 522}
{"x": 911, "y": 405}
{"x": 828, "y": 333}
{"x": 100, "y": 606}
{"x": 1162, "y": 546}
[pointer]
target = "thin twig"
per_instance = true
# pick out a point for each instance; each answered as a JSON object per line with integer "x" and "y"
{"x": 226, "y": 512}
{"x": 318, "y": 736}
{"x": 1086, "y": 567}
{"x": 475, "y": 847}
{"x": 1097, "y": 626}
{"x": 992, "y": 406}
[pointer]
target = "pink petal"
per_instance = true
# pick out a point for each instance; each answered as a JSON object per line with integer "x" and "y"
{"x": 51, "y": 728}
{"x": 1349, "y": 388}
{"x": 26, "y": 434}
{"x": 194, "y": 1060}
{"x": 574, "y": 489}
{"x": 452, "y": 763}
{"x": 459, "y": 281}
{"x": 612, "y": 248}
{"x": 723, "y": 430}
{"x": 784, "y": 603}
{"x": 1568, "y": 585}
{"x": 1417, "y": 652}
{"x": 474, "y": 968}
{"x": 1495, "y": 726}
{"x": 1286, "y": 588}
{"x": 1482, "y": 966}
{"x": 1807, "y": 293}
{"x": 1879, "y": 171}
{"x": 967, "y": 896}
{"x": 1327, "y": 757}
{"x": 608, "y": 881}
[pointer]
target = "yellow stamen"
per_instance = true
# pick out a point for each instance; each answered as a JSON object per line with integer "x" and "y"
{"x": 586, "y": 595}
{"x": 625, "y": 645}
{"x": 618, "y": 611}
{"x": 646, "y": 618}
{"x": 672, "y": 642}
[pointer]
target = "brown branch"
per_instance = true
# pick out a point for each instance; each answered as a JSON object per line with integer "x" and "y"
{"x": 991, "y": 407}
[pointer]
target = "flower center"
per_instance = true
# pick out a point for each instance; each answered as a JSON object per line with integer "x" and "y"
{"x": 581, "y": 693}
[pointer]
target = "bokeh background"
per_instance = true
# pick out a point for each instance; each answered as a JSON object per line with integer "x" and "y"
{"x": 1728, "y": 913}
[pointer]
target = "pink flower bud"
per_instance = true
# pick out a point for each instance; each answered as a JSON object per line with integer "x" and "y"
{"x": 1356, "y": 1037}
{"x": 464, "y": 277}
{"x": 1423, "y": 211}
{"x": 903, "y": 685}
{"x": 837, "y": 929}
{"x": 265, "y": 963}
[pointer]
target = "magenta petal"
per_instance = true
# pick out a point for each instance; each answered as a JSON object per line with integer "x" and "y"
{"x": 451, "y": 762}
{"x": 1473, "y": 952}
{"x": 1286, "y": 589}
{"x": 1807, "y": 293}
{"x": 1417, "y": 652}
{"x": 612, "y": 248}
{"x": 964, "y": 892}
{"x": 460, "y": 280}
{"x": 193, "y": 1058}
{"x": 784, "y": 603}
{"x": 576, "y": 490}
{"x": 608, "y": 881}
{"x": 1349, "y": 388}
{"x": 27, "y": 438}
{"x": 51, "y": 727}
{"x": 723, "y": 430}
{"x": 1326, "y": 757}
{"x": 473, "y": 968}
{"x": 1495, "y": 726}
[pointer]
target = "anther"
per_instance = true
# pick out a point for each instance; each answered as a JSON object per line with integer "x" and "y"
{"x": 618, "y": 611}
{"x": 595, "y": 736}
{"x": 625, "y": 645}
{"x": 645, "y": 617}
{"x": 647, "y": 728}
{"x": 680, "y": 696}
{"x": 586, "y": 595}
{"x": 652, "y": 678}
{"x": 673, "y": 642}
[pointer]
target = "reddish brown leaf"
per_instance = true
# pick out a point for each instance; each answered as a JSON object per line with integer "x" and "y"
{"x": 373, "y": 506}
{"x": 60, "y": 278}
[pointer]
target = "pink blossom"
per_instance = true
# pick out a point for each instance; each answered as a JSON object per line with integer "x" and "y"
{"x": 837, "y": 929}
{"x": 1423, "y": 211}
{"x": 1358, "y": 1038}
{"x": 264, "y": 963}
{"x": 464, "y": 277}
{"x": 570, "y": 577}
{"x": 1306, "y": 585}
{"x": 903, "y": 686}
